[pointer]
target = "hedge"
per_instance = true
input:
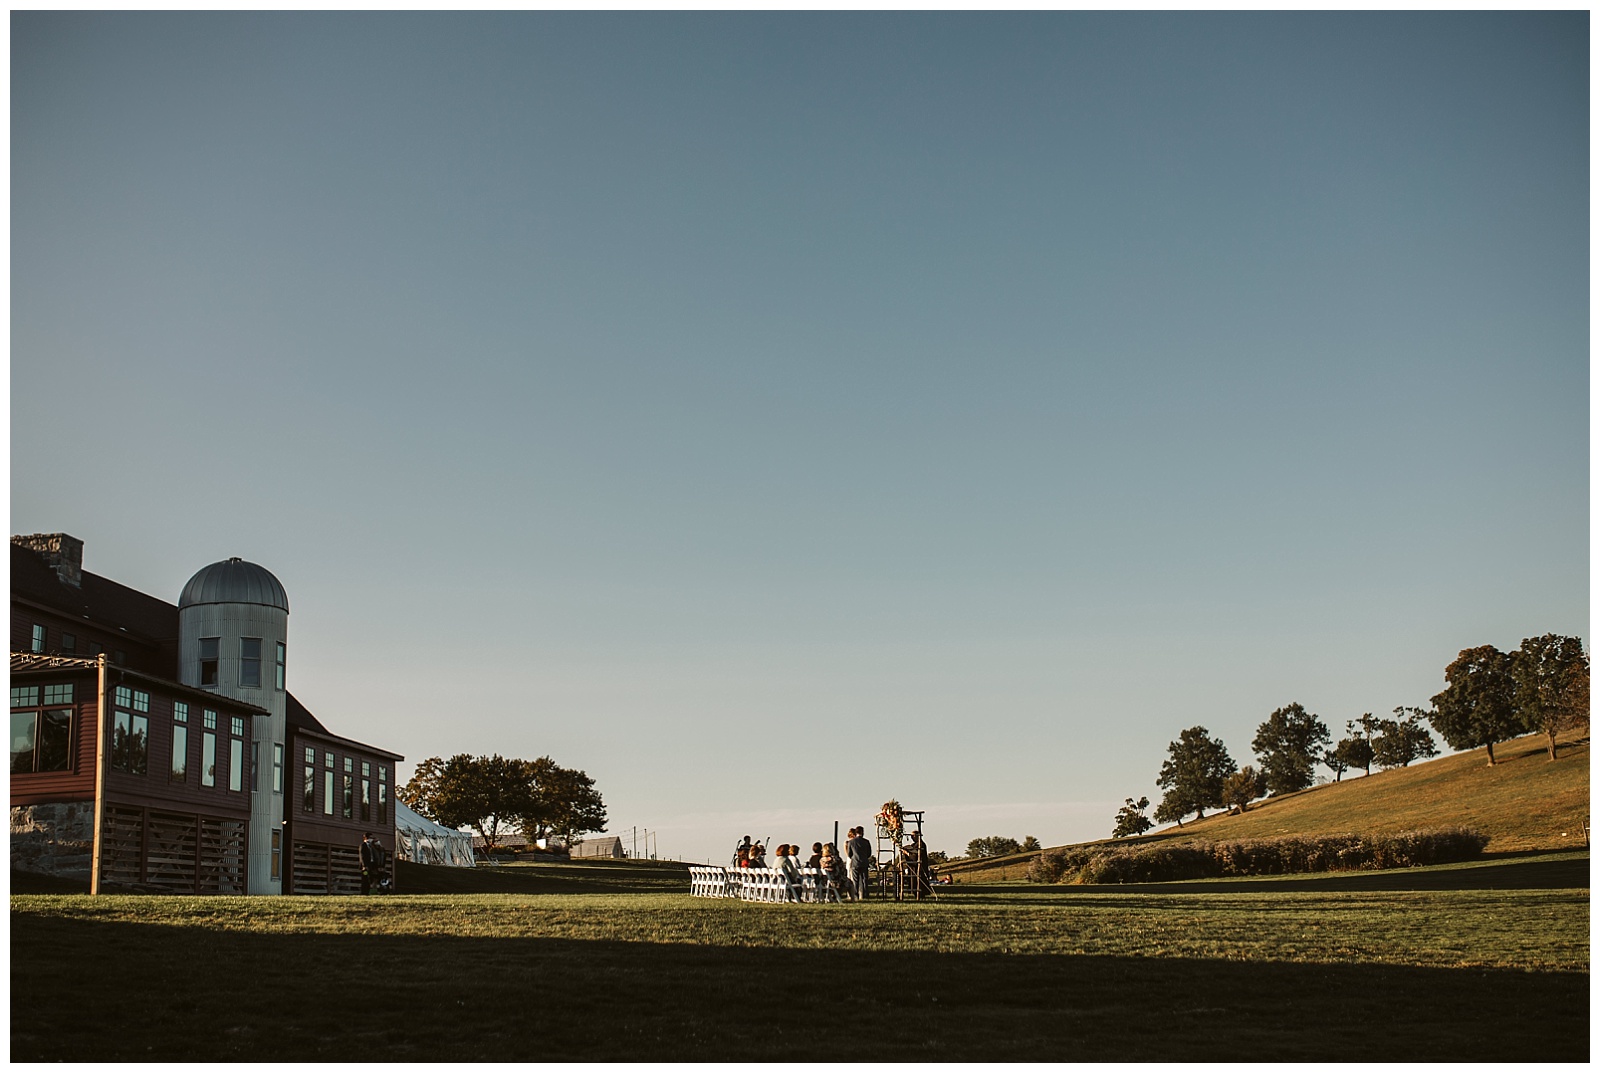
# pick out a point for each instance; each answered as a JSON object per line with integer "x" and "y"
{"x": 1162, "y": 862}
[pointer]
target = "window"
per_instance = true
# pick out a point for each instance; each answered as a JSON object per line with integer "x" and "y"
{"x": 124, "y": 697}
{"x": 119, "y": 656}
{"x": 38, "y": 638}
{"x": 95, "y": 648}
{"x": 208, "y": 755}
{"x": 277, "y": 854}
{"x": 41, "y": 740}
{"x": 180, "y": 741}
{"x": 349, "y": 765}
{"x": 281, "y": 654}
{"x": 236, "y": 765}
{"x": 277, "y": 768}
{"x": 250, "y": 662}
{"x": 141, "y": 701}
{"x": 366, "y": 798}
{"x": 308, "y": 798}
{"x": 69, "y": 643}
{"x": 210, "y": 719}
{"x": 130, "y": 742}
{"x": 327, "y": 793}
{"x": 209, "y": 649}
{"x": 238, "y": 726}
{"x": 349, "y": 796}
{"x": 383, "y": 793}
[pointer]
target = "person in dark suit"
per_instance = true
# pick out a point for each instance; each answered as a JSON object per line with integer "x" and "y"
{"x": 371, "y": 856}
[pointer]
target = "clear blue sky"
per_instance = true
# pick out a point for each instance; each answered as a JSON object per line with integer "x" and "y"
{"x": 774, "y": 414}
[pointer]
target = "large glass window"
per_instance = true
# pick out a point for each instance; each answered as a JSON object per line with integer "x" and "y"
{"x": 130, "y": 742}
{"x": 41, "y": 741}
{"x": 210, "y": 652}
{"x": 308, "y": 793}
{"x": 236, "y": 765}
{"x": 383, "y": 793}
{"x": 208, "y": 759}
{"x": 366, "y": 799}
{"x": 327, "y": 793}
{"x": 349, "y": 796}
{"x": 281, "y": 655}
{"x": 250, "y": 661}
{"x": 180, "y": 741}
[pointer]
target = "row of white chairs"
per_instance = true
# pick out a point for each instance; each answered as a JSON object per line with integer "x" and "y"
{"x": 760, "y": 884}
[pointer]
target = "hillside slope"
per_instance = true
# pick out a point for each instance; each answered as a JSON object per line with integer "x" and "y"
{"x": 1524, "y": 802}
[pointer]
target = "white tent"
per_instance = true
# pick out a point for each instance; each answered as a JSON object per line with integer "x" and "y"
{"x": 419, "y": 839}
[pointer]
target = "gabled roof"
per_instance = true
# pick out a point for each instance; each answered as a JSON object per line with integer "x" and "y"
{"x": 301, "y": 719}
{"x": 100, "y": 600}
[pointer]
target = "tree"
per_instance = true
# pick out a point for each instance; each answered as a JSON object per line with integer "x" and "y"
{"x": 1192, "y": 775}
{"x": 1243, "y": 787}
{"x": 1289, "y": 744}
{"x": 995, "y": 846}
{"x": 1544, "y": 670}
{"x": 1353, "y": 751}
{"x": 1478, "y": 705}
{"x": 1131, "y": 820}
{"x": 1403, "y": 739}
{"x": 481, "y": 792}
{"x": 563, "y": 803}
{"x": 1030, "y": 844}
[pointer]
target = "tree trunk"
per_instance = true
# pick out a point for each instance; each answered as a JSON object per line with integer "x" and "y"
{"x": 1551, "y": 733}
{"x": 1491, "y": 754}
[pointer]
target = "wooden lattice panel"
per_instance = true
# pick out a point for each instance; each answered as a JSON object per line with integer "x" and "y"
{"x": 173, "y": 855}
{"x": 310, "y": 868}
{"x": 121, "y": 845}
{"x": 221, "y": 856}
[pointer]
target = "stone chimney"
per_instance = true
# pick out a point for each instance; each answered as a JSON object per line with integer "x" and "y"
{"x": 64, "y": 554}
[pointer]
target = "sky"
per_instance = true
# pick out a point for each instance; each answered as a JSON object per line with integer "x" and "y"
{"x": 775, "y": 414}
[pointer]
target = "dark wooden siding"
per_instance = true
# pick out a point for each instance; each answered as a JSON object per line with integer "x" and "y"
{"x": 325, "y": 849}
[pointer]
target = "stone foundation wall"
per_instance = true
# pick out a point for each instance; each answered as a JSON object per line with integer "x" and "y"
{"x": 54, "y": 839}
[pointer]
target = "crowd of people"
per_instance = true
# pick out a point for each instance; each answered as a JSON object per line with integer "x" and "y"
{"x": 848, "y": 873}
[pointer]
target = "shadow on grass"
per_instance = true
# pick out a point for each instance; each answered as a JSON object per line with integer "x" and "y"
{"x": 160, "y": 992}
{"x": 1526, "y": 873}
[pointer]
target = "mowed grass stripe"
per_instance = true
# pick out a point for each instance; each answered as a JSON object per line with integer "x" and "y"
{"x": 515, "y": 979}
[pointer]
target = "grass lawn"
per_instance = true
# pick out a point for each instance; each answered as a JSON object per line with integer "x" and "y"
{"x": 1474, "y": 967}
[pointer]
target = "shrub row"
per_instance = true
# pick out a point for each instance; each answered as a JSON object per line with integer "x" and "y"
{"x": 1162, "y": 862}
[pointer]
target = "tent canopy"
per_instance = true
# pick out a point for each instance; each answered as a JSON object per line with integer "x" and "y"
{"x": 419, "y": 839}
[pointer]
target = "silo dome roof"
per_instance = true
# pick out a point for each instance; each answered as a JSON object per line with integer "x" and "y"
{"x": 234, "y": 581}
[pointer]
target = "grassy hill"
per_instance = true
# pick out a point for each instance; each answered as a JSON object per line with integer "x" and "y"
{"x": 1522, "y": 803}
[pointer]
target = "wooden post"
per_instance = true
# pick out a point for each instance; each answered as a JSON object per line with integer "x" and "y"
{"x": 100, "y": 759}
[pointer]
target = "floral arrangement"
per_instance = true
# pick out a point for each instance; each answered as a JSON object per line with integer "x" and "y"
{"x": 892, "y": 819}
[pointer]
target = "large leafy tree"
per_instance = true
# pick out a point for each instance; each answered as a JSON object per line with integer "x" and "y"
{"x": 564, "y": 803}
{"x": 1192, "y": 775}
{"x": 1354, "y": 750}
{"x": 1289, "y": 744}
{"x": 1402, "y": 739}
{"x": 1551, "y": 675}
{"x": 1243, "y": 787}
{"x": 481, "y": 792}
{"x": 993, "y": 846}
{"x": 1131, "y": 820}
{"x": 1478, "y": 705}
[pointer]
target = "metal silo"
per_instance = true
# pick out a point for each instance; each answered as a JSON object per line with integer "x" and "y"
{"x": 233, "y": 633}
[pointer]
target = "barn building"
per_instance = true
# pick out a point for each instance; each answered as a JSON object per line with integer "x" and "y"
{"x": 157, "y": 746}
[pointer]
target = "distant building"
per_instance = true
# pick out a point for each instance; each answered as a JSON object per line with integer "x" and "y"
{"x": 599, "y": 847}
{"x": 156, "y": 746}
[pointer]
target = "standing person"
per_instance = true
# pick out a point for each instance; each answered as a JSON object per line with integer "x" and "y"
{"x": 369, "y": 861}
{"x": 741, "y": 853}
{"x": 858, "y": 857}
